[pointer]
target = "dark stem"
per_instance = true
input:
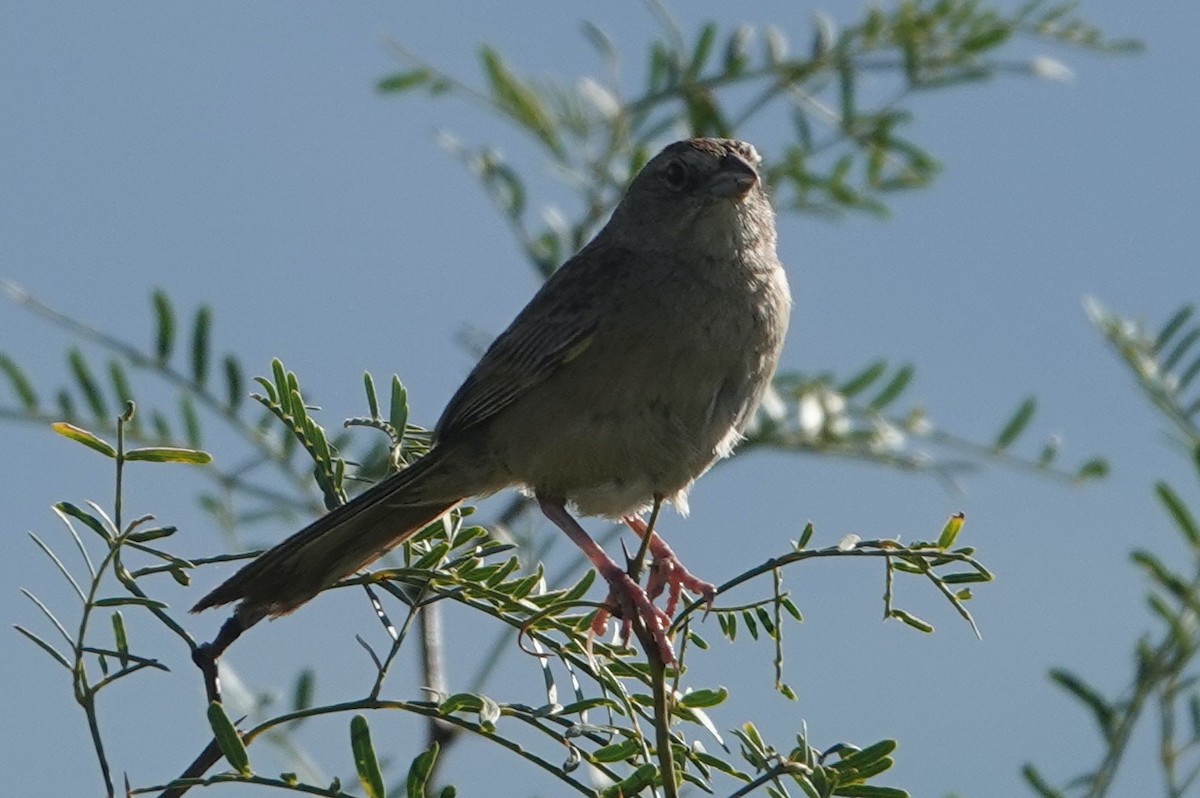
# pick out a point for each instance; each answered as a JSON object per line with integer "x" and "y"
{"x": 639, "y": 562}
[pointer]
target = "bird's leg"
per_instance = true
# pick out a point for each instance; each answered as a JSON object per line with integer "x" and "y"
{"x": 206, "y": 655}
{"x": 666, "y": 571}
{"x": 635, "y": 567}
{"x": 629, "y": 597}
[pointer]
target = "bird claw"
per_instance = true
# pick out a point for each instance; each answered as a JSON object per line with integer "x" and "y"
{"x": 628, "y": 600}
{"x": 668, "y": 573}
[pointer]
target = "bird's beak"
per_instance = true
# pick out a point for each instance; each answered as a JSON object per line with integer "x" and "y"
{"x": 734, "y": 179}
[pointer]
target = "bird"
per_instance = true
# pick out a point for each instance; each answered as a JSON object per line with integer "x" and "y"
{"x": 636, "y": 366}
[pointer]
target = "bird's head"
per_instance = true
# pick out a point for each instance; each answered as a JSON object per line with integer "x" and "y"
{"x": 698, "y": 192}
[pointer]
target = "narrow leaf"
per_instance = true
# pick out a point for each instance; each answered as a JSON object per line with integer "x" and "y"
{"x": 122, "y": 640}
{"x": 1087, "y": 695}
{"x": 805, "y": 536}
{"x": 88, "y": 439}
{"x": 120, "y": 381}
{"x": 302, "y": 694}
{"x": 398, "y": 414}
{"x": 1016, "y": 425}
{"x": 90, "y": 521}
{"x": 420, "y": 771}
{"x": 867, "y": 756}
{"x": 616, "y": 752}
{"x": 372, "y": 397}
{"x": 235, "y": 382}
{"x": 228, "y": 739}
{"x": 950, "y": 531}
{"x": 20, "y": 383}
{"x": 402, "y": 81}
{"x": 912, "y": 620}
{"x": 1095, "y": 468}
{"x": 863, "y": 379}
{"x": 1179, "y": 512}
{"x": 169, "y": 454}
{"x": 893, "y": 389}
{"x": 164, "y": 315}
{"x": 139, "y": 601}
{"x": 44, "y": 646}
{"x": 704, "y": 43}
{"x": 1172, "y": 326}
{"x": 191, "y": 420}
{"x": 201, "y": 346}
{"x": 698, "y": 699}
{"x": 365, "y": 761}
{"x": 87, "y": 383}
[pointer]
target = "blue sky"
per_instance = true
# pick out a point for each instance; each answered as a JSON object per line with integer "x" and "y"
{"x": 238, "y": 155}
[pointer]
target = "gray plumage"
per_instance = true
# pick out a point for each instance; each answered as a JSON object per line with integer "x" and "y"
{"x": 637, "y": 365}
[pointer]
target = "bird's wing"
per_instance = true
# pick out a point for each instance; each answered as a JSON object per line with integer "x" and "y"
{"x": 555, "y": 327}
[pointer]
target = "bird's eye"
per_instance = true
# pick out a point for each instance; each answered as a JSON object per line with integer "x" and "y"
{"x": 676, "y": 175}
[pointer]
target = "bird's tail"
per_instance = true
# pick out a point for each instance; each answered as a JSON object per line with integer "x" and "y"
{"x": 333, "y": 547}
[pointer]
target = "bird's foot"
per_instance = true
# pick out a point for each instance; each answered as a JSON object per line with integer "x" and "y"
{"x": 629, "y": 601}
{"x": 668, "y": 574}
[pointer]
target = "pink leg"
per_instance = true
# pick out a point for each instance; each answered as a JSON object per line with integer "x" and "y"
{"x": 666, "y": 571}
{"x": 630, "y": 598}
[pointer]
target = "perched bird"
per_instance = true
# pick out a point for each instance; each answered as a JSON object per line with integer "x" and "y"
{"x": 634, "y": 368}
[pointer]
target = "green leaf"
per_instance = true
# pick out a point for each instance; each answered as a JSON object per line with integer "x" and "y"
{"x": 147, "y": 535}
{"x": 1172, "y": 359}
{"x": 87, "y": 383}
{"x": 235, "y": 382}
{"x": 805, "y": 537}
{"x": 122, "y": 601}
{"x": 986, "y": 39}
{"x": 302, "y": 694}
{"x": 420, "y": 771}
{"x": 1179, "y": 512}
{"x": 1172, "y": 326}
{"x": 1096, "y": 468}
{"x": 372, "y": 397}
{"x": 737, "y": 50}
{"x": 402, "y": 81}
{"x": 20, "y": 384}
{"x": 164, "y": 315}
{"x": 365, "y": 761}
{"x": 120, "y": 381}
{"x": 912, "y": 620}
{"x": 398, "y": 413}
{"x": 228, "y": 739}
{"x": 950, "y": 531}
{"x": 191, "y": 420}
{"x": 869, "y": 791}
{"x": 702, "y": 699}
{"x": 521, "y": 103}
{"x": 44, "y": 646}
{"x": 122, "y": 640}
{"x": 169, "y": 454}
{"x": 1103, "y": 713}
{"x": 616, "y": 752}
{"x": 1016, "y": 425}
{"x": 88, "y": 439}
{"x": 201, "y": 346}
{"x": 637, "y": 781}
{"x": 703, "y": 48}
{"x": 863, "y": 379}
{"x": 489, "y": 713}
{"x": 893, "y": 389}
{"x": 846, "y": 86}
{"x": 1034, "y": 779}
{"x": 967, "y": 577}
{"x": 867, "y": 756}
{"x": 90, "y": 521}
